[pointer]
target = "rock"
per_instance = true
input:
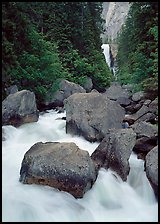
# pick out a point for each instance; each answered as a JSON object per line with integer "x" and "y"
{"x": 94, "y": 91}
{"x": 147, "y": 102}
{"x": 123, "y": 101}
{"x": 129, "y": 119}
{"x": 143, "y": 114}
{"x": 19, "y": 108}
{"x": 133, "y": 108}
{"x": 66, "y": 89}
{"x": 60, "y": 165}
{"x": 116, "y": 91}
{"x": 92, "y": 115}
{"x": 145, "y": 144}
{"x": 145, "y": 129}
{"x": 153, "y": 106}
{"x": 3, "y": 134}
{"x": 114, "y": 14}
{"x": 142, "y": 111}
{"x": 151, "y": 168}
{"x": 138, "y": 96}
{"x": 148, "y": 117}
{"x": 12, "y": 89}
{"x": 114, "y": 151}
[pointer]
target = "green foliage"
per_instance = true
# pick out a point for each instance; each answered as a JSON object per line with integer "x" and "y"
{"x": 45, "y": 41}
{"x": 138, "y": 47}
{"x": 101, "y": 75}
{"x": 30, "y": 61}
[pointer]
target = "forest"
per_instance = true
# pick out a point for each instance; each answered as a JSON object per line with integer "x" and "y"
{"x": 45, "y": 41}
{"x": 137, "y": 57}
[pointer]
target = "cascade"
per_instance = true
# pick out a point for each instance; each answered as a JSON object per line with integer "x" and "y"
{"x": 109, "y": 200}
{"x": 108, "y": 57}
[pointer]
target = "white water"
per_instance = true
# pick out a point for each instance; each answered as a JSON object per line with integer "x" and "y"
{"x": 106, "y": 53}
{"x": 110, "y": 199}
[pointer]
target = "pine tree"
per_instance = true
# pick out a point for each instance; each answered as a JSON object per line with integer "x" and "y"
{"x": 138, "y": 47}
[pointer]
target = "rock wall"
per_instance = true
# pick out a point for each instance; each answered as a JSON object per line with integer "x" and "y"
{"x": 114, "y": 13}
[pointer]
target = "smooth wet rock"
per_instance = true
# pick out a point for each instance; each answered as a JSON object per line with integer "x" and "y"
{"x": 91, "y": 115}
{"x": 114, "y": 151}
{"x": 151, "y": 167}
{"x": 65, "y": 90}
{"x": 60, "y": 165}
{"x": 19, "y": 108}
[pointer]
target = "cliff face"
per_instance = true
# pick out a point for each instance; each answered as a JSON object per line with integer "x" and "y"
{"x": 114, "y": 13}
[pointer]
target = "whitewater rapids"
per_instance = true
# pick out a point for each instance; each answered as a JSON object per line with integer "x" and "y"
{"x": 109, "y": 200}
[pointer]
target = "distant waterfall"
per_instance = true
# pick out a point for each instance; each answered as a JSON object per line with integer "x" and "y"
{"x": 108, "y": 57}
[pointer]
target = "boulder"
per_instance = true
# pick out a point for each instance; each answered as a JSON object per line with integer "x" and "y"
{"x": 145, "y": 144}
{"x": 145, "y": 129}
{"x": 143, "y": 114}
{"x": 19, "y": 108}
{"x": 151, "y": 168}
{"x": 153, "y": 106}
{"x": 65, "y": 90}
{"x": 114, "y": 151}
{"x": 123, "y": 101}
{"x": 138, "y": 96}
{"x": 142, "y": 111}
{"x": 92, "y": 115}
{"x": 148, "y": 117}
{"x": 115, "y": 91}
{"x": 147, "y": 102}
{"x": 60, "y": 165}
{"x": 133, "y": 107}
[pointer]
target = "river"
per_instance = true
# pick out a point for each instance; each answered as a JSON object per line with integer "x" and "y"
{"x": 109, "y": 200}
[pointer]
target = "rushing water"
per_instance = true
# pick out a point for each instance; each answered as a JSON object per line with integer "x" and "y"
{"x": 106, "y": 52}
{"x": 110, "y": 199}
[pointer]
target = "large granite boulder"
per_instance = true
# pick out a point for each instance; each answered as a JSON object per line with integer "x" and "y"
{"x": 115, "y": 91}
{"x": 60, "y": 165}
{"x": 19, "y": 108}
{"x": 92, "y": 115}
{"x": 65, "y": 90}
{"x": 114, "y": 151}
{"x": 151, "y": 168}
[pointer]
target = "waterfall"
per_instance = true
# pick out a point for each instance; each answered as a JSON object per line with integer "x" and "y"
{"x": 108, "y": 57}
{"x": 110, "y": 199}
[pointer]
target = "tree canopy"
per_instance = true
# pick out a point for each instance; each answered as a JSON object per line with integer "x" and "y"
{"x": 44, "y": 41}
{"x": 138, "y": 47}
